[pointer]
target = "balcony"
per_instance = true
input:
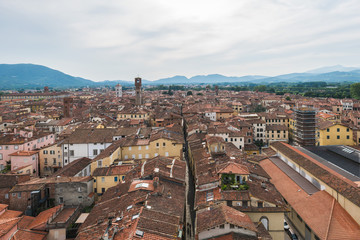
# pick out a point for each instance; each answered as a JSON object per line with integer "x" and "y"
{"x": 233, "y": 182}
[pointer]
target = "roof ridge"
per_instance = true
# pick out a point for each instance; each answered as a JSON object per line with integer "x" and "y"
{"x": 330, "y": 217}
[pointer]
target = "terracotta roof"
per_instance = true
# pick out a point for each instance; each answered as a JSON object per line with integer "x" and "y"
{"x": 25, "y": 234}
{"x": 91, "y": 136}
{"x": 321, "y": 212}
{"x": 233, "y": 168}
{"x": 39, "y": 223}
{"x": 73, "y": 168}
{"x": 24, "y": 153}
{"x": 342, "y": 185}
{"x": 113, "y": 170}
{"x": 215, "y": 216}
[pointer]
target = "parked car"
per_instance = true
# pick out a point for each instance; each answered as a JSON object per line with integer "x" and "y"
{"x": 286, "y": 225}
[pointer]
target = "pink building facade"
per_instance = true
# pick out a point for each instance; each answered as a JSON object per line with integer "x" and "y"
{"x": 22, "y": 159}
{"x": 22, "y": 141}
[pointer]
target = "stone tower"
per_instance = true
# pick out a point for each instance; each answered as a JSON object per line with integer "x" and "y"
{"x": 68, "y": 104}
{"x": 138, "y": 100}
{"x": 118, "y": 90}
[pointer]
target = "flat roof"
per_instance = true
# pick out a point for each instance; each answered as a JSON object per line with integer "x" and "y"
{"x": 302, "y": 182}
{"x": 341, "y": 164}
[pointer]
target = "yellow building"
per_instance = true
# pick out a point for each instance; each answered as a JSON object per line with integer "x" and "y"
{"x": 111, "y": 155}
{"x": 237, "y": 107}
{"x": 276, "y": 133}
{"x": 108, "y": 177}
{"x": 223, "y": 113}
{"x": 161, "y": 143}
{"x": 330, "y": 133}
{"x": 50, "y": 159}
{"x": 133, "y": 113}
{"x": 127, "y": 150}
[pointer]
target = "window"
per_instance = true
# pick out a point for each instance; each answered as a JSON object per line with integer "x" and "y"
{"x": 1, "y": 156}
{"x": 164, "y": 144}
{"x": 133, "y": 156}
{"x": 71, "y": 153}
{"x": 297, "y": 215}
{"x": 61, "y": 200}
{"x": 244, "y": 203}
{"x": 347, "y": 137}
{"x": 222, "y": 226}
{"x": 156, "y": 154}
{"x": 209, "y": 196}
{"x": 147, "y": 147}
{"x": 260, "y": 204}
{"x": 95, "y": 152}
{"x": 79, "y": 189}
{"x": 166, "y": 154}
{"x": 102, "y": 179}
{"x": 338, "y": 129}
{"x": 45, "y": 161}
{"x": 115, "y": 179}
{"x": 54, "y": 161}
{"x": 140, "y": 156}
{"x": 347, "y": 129}
{"x": 0, "y": 147}
{"x": 102, "y": 190}
{"x": 232, "y": 226}
{"x": 338, "y": 137}
{"x": 157, "y": 144}
{"x": 130, "y": 148}
{"x": 16, "y": 147}
{"x": 6, "y": 196}
{"x": 123, "y": 178}
{"x": 95, "y": 190}
{"x": 19, "y": 194}
{"x": 327, "y": 137}
{"x": 45, "y": 152}
{"x": 53, "y": 152}
{"x": 139, "y": 147}
{"x": 146, "y": 155}
{"x": 265, "y": 222}
{"x": 99, "y": 163}
{"x": 7, "y": 147}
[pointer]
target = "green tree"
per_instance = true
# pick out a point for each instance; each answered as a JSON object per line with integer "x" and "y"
{"x": 260, "y": 88}
{"x": 189, "y": 93}
{"x": 288, "y": 98}
{"x": 355, "y": 90}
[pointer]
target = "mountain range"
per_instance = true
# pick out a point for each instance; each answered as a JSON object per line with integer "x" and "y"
{"x": 27, "y": 76}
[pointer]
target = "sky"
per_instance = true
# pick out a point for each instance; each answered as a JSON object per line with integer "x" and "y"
{"x": 122, "y": 39}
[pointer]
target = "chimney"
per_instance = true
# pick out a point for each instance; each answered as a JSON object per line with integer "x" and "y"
{"x": 156, "y": 182}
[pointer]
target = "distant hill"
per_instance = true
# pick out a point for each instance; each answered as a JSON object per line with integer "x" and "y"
{"x": 31, "y": 76}
{"x": 16, "y": 76}
{"x": 336, "y": 68}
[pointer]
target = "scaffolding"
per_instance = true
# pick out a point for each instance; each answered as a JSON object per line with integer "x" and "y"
{"x": 305, "y": 126}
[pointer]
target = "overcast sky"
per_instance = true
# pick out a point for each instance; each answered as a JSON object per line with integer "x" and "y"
{"x": 120, "y": 39}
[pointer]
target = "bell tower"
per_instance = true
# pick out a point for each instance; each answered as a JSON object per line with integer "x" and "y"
{"x": 138, "y": 100}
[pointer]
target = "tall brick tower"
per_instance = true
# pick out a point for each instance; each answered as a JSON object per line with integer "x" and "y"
{"x": 216, "y": 90}
{"x": 68, "y": 104}
{"x": 138, "y": 100}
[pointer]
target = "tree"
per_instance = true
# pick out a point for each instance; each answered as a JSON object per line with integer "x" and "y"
{"x": 288, "y": 98}
{"x": 355, "y": 90}
{"x": 189, "y": 93}
{"x": 260, "y": 88}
